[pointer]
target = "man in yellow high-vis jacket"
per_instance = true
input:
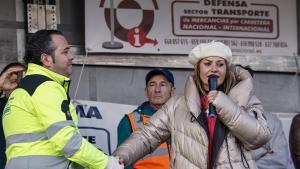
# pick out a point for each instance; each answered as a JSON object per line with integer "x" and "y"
{"x": 39, "y": 120}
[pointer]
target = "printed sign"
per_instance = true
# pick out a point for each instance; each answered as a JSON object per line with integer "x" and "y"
{"x": 98, "y": 122}
{"x": 249, "y": 27}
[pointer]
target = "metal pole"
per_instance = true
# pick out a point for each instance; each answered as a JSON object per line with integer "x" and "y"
{"x": 112, "y": 44}
{"x": 112, "y": 22}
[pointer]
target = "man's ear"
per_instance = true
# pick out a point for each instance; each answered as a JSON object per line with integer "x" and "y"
{"x": 46, "y": 60}
{"x": 173, "y": 90}
{"x": 146, "y": 93}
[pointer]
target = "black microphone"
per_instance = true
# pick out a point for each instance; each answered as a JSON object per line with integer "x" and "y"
{"x": 212, "y": 83}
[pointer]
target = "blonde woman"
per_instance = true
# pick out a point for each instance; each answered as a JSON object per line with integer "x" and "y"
{"x": 200, "y": 141}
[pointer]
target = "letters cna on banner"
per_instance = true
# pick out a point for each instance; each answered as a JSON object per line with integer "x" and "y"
{"x": 98, "y": 122}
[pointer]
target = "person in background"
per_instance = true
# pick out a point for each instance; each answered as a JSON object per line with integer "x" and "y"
{"x": 39, "y": 120}
{"x": 203, "y": 139}
{"x": 9, "y": 79}
{"x": 275, "y": 153}
{"x": 159, "y": 88}
{"x": 294, "y": 141}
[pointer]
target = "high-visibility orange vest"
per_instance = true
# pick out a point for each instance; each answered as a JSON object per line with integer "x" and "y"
{"x": 159, "y": 158}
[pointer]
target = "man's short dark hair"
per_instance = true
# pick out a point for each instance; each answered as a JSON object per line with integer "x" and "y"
{"x": 39, "y": 43}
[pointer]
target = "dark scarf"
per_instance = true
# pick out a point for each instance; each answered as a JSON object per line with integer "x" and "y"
{"x": 215, "y": 130}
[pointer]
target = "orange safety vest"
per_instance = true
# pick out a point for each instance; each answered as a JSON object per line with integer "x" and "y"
{"x": 159, "y": 158}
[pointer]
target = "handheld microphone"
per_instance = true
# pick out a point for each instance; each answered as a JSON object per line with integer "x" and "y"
{"x": 212, "y": 83}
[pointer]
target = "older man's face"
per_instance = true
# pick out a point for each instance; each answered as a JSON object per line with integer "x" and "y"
{"x": 158, "y": 91}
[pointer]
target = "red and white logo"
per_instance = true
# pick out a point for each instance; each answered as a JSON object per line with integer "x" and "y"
{"x": 136, "y": 33}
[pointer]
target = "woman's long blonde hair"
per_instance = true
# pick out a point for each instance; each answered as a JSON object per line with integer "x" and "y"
{"x": 225, "y": 87}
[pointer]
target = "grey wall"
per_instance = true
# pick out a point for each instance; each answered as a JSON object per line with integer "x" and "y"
{"x": 72, "y": 21}
{"x": 117, "y": 84}
{"x": 279, "y": 92}
{"x": 298, "y": 23}
{"x": 8, "y": 37}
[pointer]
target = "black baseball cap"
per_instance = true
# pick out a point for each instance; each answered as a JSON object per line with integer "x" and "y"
{"x": 165, "y": 72}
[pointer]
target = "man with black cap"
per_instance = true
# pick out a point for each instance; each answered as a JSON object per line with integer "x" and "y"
{"x": 159, "y": 88}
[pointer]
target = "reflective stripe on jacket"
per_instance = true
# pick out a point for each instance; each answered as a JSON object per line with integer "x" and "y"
{"x": 40, "y": 125}
{"x": 159, "y": 158}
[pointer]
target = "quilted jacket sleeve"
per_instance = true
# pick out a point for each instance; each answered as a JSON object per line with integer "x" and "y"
{"x": 147, "y": 138}
{"x": 242, "y": 113}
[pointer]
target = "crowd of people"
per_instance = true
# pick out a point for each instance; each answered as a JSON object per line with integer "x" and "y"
{"x": 216, "y": 123}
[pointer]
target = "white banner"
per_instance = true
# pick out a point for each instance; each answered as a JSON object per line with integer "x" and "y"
{"x": 249, "y": 27}
{"x": 98, "y": 122}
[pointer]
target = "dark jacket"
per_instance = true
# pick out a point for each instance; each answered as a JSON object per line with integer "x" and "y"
{"x": 295, "y": 141}
{"x": 275, "y": 153}
{"x": 3, "y": 101}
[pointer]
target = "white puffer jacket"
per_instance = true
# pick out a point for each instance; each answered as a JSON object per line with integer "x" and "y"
{"x": 241, "y": 127}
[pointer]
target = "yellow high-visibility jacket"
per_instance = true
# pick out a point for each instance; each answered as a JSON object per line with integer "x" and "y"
{"x": 40, "y": 125}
